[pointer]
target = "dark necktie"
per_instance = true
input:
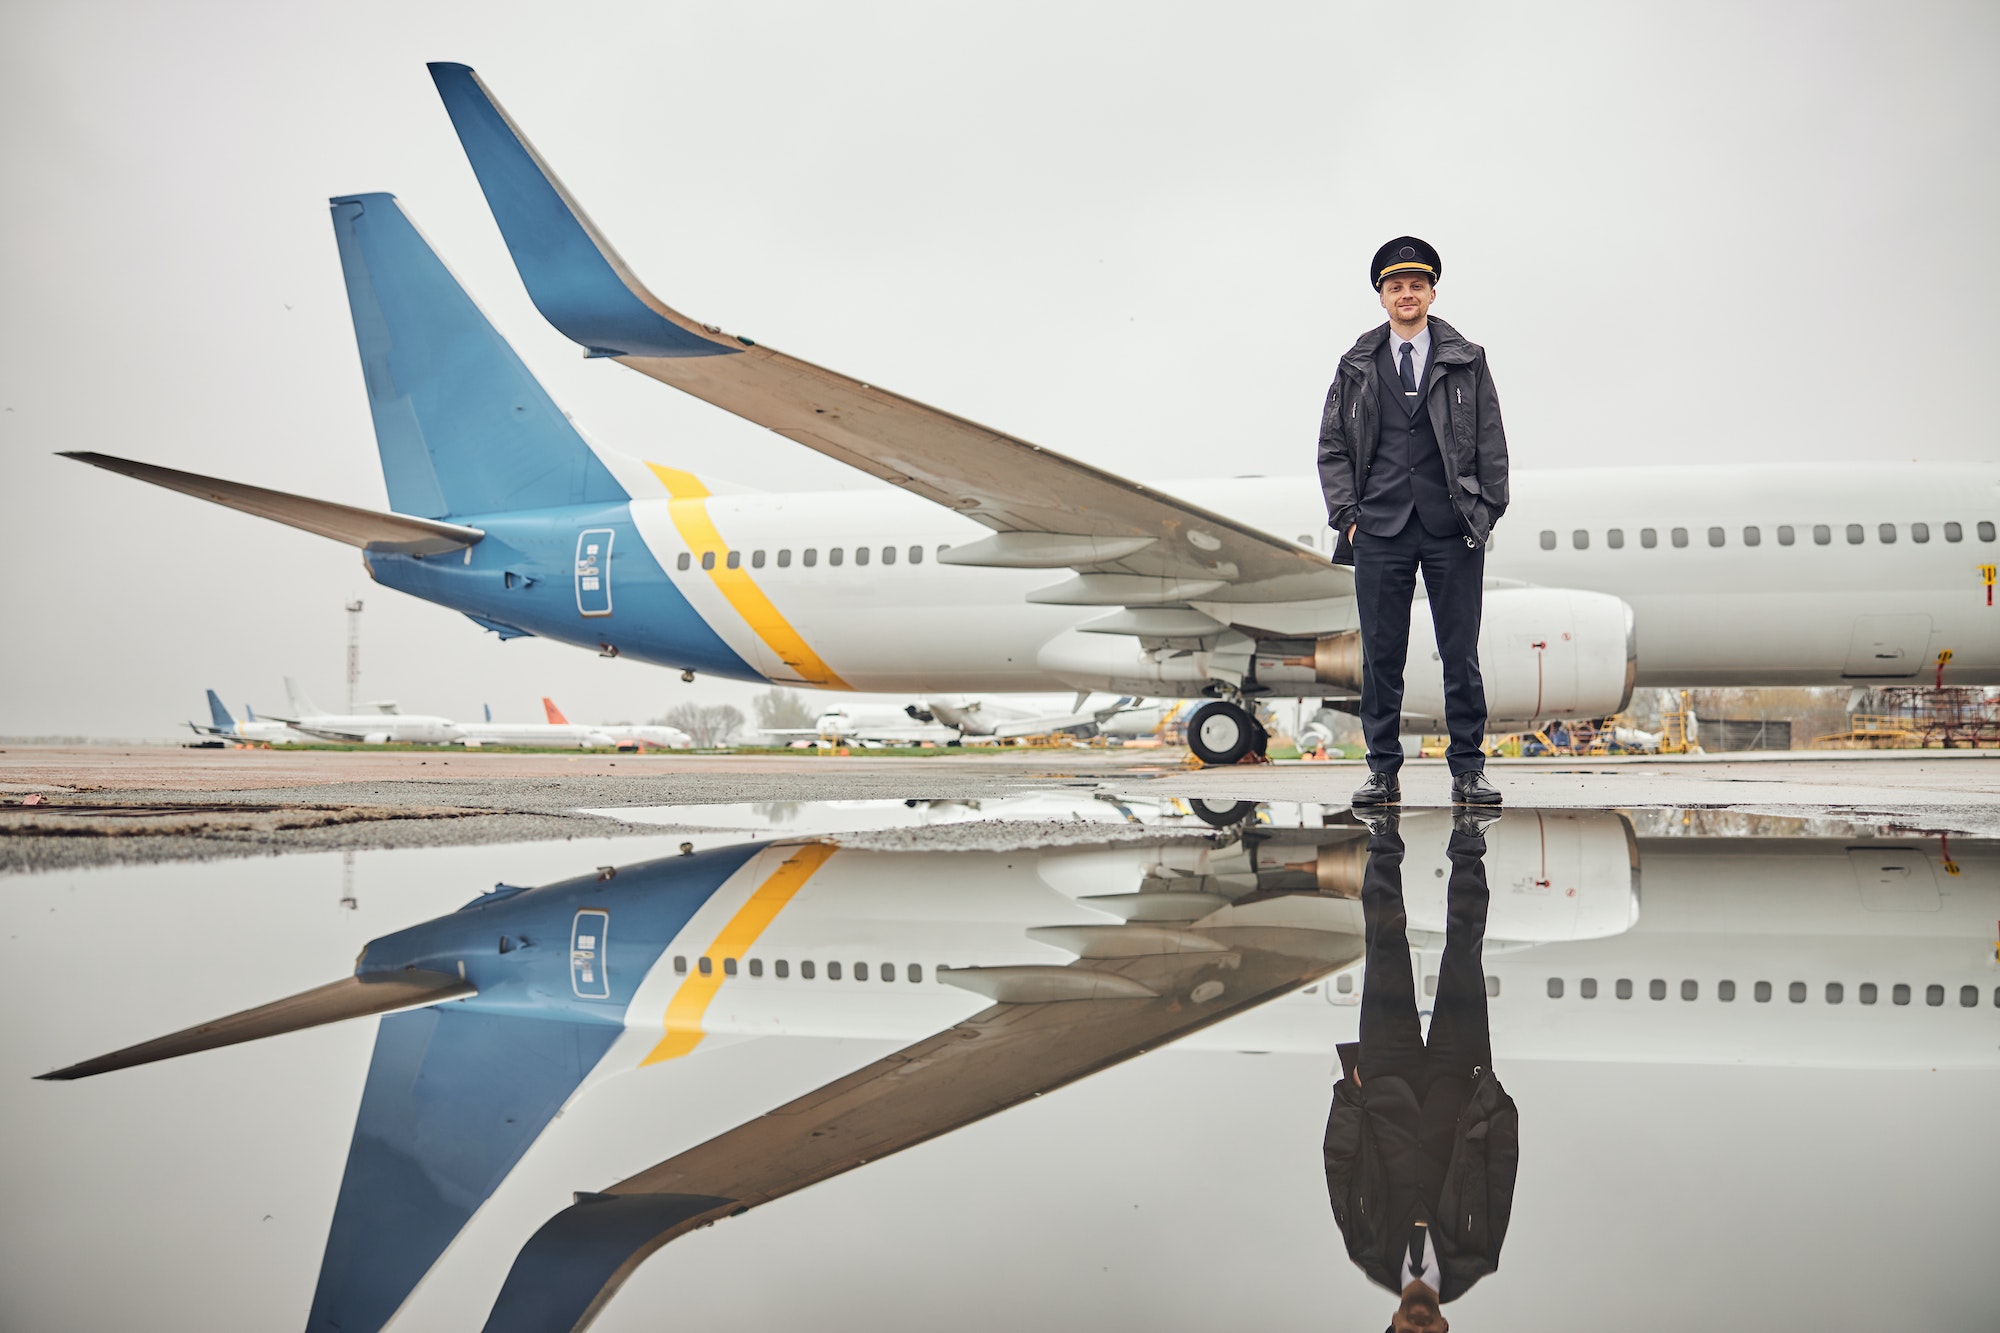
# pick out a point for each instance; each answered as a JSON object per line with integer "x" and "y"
{"x": 1409, "y": 370}
{"x": 1417, "y": 1235}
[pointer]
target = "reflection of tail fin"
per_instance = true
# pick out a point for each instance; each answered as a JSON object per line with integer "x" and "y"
{"x": 454, "y": 1098}
{"x": 461, "y": 425}
{"x": 296, "y": 697}
{"x": 350, "y": 997}
{"x": 220, "y": 715}
{"x": 556, "y": 717}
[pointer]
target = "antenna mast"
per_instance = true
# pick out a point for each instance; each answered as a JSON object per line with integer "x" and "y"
{"x": 353, "y": 651}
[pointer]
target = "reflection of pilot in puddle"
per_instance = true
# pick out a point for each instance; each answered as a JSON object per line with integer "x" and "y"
{"x": 1422, "y": 1143}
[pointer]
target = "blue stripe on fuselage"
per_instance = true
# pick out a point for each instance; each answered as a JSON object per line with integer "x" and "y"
{"x": 650, "y": 619}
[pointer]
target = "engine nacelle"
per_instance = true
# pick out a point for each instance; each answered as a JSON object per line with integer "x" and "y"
{"x": 1543, "y": 653}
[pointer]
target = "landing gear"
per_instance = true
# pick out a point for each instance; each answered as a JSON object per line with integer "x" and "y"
{"x": 1222, "y": 733}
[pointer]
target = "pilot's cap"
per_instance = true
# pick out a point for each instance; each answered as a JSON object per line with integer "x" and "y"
{"x": 1405, "y": 254}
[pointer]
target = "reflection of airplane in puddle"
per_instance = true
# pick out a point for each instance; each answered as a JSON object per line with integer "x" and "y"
{"x": 1040, "y": 966}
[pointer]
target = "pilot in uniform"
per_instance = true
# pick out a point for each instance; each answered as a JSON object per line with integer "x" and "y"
{"x": 1413, "y": 462}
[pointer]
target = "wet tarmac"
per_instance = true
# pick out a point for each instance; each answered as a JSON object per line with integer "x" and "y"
{"x": 1116, "y": 1048}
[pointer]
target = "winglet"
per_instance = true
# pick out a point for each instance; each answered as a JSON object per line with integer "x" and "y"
{"x": 572, "y": 274}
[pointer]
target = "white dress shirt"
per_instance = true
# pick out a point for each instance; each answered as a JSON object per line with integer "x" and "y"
{"x": 1420, "y": 352}
{"x": 1428, "y": 1274}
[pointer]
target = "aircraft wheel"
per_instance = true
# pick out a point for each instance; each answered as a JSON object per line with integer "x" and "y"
{"x": 1221, "y": 814}
{"x": 1220, "y": 733}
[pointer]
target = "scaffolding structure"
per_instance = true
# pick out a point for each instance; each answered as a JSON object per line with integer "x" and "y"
{"x": 1950, "y": 717}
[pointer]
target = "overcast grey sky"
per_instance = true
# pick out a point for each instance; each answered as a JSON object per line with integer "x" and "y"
{"x": 1134, "y": 233}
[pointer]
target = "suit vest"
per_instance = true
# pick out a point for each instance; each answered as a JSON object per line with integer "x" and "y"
{"x": 1407, "y": 473}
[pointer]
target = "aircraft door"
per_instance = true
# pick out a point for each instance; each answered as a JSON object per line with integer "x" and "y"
{"x": 1888, "y": 646}
{"x": 589, "y": 974}
{"x": 593, "y": 571}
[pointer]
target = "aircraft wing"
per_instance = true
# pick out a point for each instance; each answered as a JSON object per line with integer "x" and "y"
{"x": 1130, "y": 545}
{"x": 369, "y": 529}
{"x": 324, "y": 733}
{"x": 1134, "y": 987}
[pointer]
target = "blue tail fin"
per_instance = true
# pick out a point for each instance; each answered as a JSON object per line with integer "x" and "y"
{"x": 463, "y": 428}
{"x": 219, "y": 715}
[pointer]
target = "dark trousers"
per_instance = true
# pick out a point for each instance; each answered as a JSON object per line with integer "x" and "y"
{"x": 1440, "y": 1071}
{"x": 1385, "y": 582}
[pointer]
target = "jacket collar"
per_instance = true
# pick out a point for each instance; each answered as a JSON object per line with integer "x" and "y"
{"x": 1447, "y": 347}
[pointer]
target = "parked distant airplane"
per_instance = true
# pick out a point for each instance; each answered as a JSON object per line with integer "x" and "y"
{"x": 250, "y": 731}
{"x": 1042, "y": 967}
{"x": 560, "y": 731}
{"x": 1004, "y": 567}
{"x": 950, "y": 721}
{"x": 378, "y": 728}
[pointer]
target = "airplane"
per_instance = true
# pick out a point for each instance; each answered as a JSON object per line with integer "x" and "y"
{"x": 993, "y": 565}
{"x": 625, "y": 735}
{"x": 1043, "y": 966}
{"x": 381, "y": 727}
{"x": 250, "y": 731}
{"x": 950, "y": 721}
{"x": 557, "y": 731}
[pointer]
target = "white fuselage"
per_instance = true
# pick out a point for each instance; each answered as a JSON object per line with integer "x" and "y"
{"x": 566, "y": 735}
{"x": 379, "y": 728}
{"x": 1795, "y": 915}
{"x": 1736, "y": 575}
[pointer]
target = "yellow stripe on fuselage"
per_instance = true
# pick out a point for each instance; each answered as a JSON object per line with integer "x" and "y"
{"x": 688, "y": 503}
{"x": 690, "y": 1003}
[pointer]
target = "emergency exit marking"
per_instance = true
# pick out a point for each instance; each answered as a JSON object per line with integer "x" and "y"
{"x": 1986, "y": 577}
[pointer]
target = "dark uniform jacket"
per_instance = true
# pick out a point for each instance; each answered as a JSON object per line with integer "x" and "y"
{"x": 1382, "y": 1181}
{"x": 1465, "y": 414}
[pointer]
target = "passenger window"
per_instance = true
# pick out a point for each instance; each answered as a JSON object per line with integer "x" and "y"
{"x": 756, "y": 967}
{"x": 1954, "y": 533}
{"x": 943, "y": 549}
{"x": 811, "y": 556}
{"x": 1715, "y": 536}
{"x": 888, "y": 555}
{"x": 705, "y": 965}
{"x": 1624, "y": 988}
{"x": 1431, "y": 984}
{"x": 1587, "y": 988}
{"x": 1548, "y": 539}
{"x": 916, "y": 971}
{"x": 708, "y": 560}
{"x": 782, "y": 967}
{"x": 1887, "y": 532}
{"x": 1822, "y": 534}
{"x": 1657, "y": 989}
{"x": 833, "y": 971}
{"x": 683, "y": 562}
{"x": 1615, "y": 539}
{"x": 681, "y": 963}
{"x": 916, "y": 555}
{"x": 861, "y": 971}
{"x": 1856, "y": 534}
{"x": 1690, "y": 990}
{"x": 1492, "y": 987}
{"x": 1751, "y": 536}
{"x": 806, "y": 970}
{"x": 1762, "y": 992}
{"x": 1580, "y": 539}
{"x": 888, "y": 971}
{"x": 1933, "y": 995}
{"x": 1796, "y": 992}
{"x": 1985, "y": 531}
{"x": 734, "y": 560}
{"x": 1649, "y": 538}
{"x": 1920, "y": 532}
{"x": 1680, "y": 537}
{"x": 1835, "y": 992}
{"x": 1900, "y": 994}
{"x": 860, "y": 555}
{"x": 1725, "y": 991}
{"x": 756, "y": 560}
{"x": 729, "y": 967}
{"x": 1968, "y": 997}
{"x": 1786, "y": 536}
{"x": 1555, "y": 988}
{"x": 1867, "y": 993}
{"x": 784, "y": 557}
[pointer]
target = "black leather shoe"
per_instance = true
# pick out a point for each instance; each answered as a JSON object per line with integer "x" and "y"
{"x": 1471, "y": 821}
{"x": 1473, "y": 789}
{"x": 1380, "y": 789}
{"x": 1381, "y": 821}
